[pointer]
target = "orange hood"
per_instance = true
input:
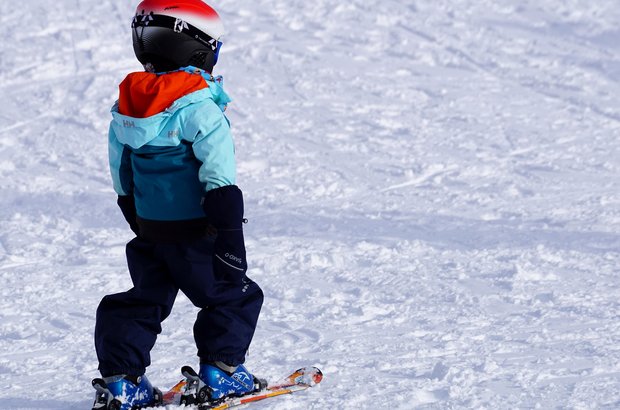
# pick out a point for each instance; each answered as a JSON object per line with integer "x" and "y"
{"x": 144, "y": 94}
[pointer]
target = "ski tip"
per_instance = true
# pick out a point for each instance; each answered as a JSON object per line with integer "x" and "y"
{"x": 317, "y": 375}
{"x": 309, "y": 375}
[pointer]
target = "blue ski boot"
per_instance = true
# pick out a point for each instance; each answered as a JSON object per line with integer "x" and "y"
{"x": 123, "y": 393}
{"x": 217, "y": 381}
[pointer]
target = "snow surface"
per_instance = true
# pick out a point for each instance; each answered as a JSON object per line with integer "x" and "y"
{"x": 432, "y": 186}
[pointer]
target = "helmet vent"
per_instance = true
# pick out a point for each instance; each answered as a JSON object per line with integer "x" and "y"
{"x": 198, "y": 60}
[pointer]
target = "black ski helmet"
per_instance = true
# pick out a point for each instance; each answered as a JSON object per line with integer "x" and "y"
{"x": 169, "y": 34}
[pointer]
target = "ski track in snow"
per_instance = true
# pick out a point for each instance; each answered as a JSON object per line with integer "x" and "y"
{"x": 432, "y": 186}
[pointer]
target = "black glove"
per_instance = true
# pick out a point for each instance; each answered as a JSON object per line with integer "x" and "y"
{"x": 224, "y": 209}
{"x": 128, "y": 208}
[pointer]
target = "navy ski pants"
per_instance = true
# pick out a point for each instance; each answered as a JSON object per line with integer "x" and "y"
{"x": 128, "y": 323}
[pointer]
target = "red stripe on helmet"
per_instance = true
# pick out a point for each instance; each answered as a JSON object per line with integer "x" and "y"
{"x": 197, "y": 8}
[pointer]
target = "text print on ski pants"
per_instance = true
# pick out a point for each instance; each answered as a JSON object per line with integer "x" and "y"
{"x": 128, "y": 323}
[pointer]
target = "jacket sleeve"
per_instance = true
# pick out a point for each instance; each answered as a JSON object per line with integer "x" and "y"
{"x": 120, "y": 165}
{"x": 214, "y": 147}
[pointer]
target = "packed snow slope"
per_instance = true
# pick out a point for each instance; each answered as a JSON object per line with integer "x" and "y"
{"x": 433, "y": 189}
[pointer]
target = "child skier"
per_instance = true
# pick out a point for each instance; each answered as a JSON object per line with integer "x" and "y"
{"x": 173, "y": 167}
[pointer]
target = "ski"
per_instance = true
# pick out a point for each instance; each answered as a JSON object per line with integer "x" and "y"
{"x": 298, "y": 380}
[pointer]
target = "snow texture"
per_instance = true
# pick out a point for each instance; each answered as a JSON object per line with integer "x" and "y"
{"x": 432, "y": 186}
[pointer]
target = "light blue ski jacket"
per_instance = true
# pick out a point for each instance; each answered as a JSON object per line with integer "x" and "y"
{"x": 170, "y": 142}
